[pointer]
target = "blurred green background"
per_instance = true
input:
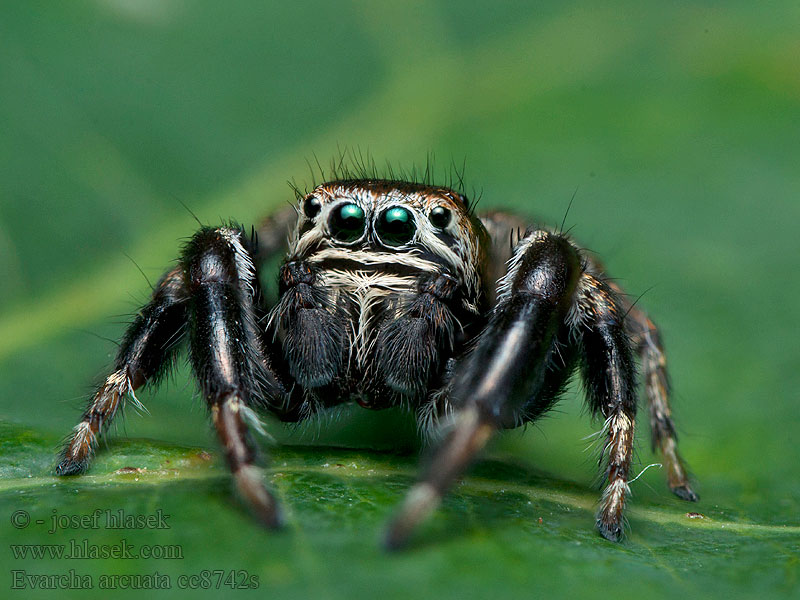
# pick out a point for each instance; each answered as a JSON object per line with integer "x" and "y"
{"x": 677, "y": 123}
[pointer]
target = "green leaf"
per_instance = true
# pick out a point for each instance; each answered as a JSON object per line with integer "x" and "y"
{"x": 503, "y": 516}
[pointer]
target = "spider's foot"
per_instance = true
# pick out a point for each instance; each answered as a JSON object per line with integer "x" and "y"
{"x": 611, "y": 531}
{"x": 76, "y": 454}
{"x": 261, "y": 501}
{"x": 684, "y": 492}
{"x": 71, "y": 467}
{"x": 419, "y": 504}
{"x": 396, "y": 537}
{"x": 78, "y": 449}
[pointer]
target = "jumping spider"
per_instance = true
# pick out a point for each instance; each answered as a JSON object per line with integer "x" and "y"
{"x": 387, "y": 297}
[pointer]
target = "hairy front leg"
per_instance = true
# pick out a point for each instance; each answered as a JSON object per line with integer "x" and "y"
{"x": 507, "y": 367}
{"x": 227, "y": 353}
{"x": 146, "y": 351}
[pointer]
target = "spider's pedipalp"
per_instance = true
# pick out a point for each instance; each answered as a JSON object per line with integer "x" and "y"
{"x": 411, "y": 346}
{"x": 146, "y": 352}
{"x": 310, "y": 328}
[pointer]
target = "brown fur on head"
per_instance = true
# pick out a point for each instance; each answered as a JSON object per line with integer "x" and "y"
{"x": 458, "y": 248}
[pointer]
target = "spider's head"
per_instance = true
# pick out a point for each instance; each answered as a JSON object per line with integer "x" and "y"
{"x": 379, "y": 223}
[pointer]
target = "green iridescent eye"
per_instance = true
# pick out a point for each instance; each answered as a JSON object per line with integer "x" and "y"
{"x": 347, "y": 222}
{"x": 396, "y": 226}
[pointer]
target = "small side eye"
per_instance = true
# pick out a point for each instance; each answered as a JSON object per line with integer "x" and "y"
{"x": 311, "y": 207}
{"x": 439, "y": 217}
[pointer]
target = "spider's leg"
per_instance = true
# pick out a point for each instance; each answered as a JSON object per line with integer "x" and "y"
{"x": 647, "y": 341}
{"x": 609, "y": 374}
{"x": 273, "y": 233}
{"x": 506, "y": 368}
{"x": 226, "y": 352}
{"x": 505, "y": 231}
{"x": 146, "y": 351}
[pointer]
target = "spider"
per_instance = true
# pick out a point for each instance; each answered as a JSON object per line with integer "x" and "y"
{"x": 387, "y": 297}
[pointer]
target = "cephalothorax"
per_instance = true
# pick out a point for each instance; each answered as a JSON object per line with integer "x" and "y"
{"x": 396, "y": 293}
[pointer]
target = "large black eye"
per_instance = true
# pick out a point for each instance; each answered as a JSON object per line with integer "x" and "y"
{"x": 396, "y": 226}
{"x": 311, "y": 207}
{"x": 440, "y": 217}
{"x": 347, "y": 222}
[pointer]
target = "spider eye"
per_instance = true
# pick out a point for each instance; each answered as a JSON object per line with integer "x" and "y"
{"x": 311, "y": 207}
{"x": 439, "y": 217}
{"x": 396, "y": 226}
{"x": 347, "y": 222}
